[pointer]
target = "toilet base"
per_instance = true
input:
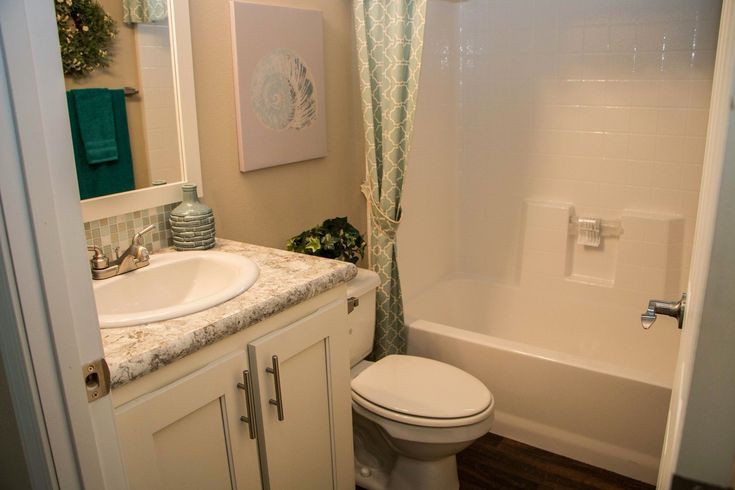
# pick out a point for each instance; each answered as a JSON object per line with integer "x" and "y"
{"x": 428, "y": 475}
{"x": 411, "y": 474}
{"x": 381, "y": 464}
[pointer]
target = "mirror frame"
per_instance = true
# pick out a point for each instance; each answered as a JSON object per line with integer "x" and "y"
{"x": 188, "y": 132}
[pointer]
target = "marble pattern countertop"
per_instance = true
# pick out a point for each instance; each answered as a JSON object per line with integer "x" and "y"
{"x": 285, "y": 279}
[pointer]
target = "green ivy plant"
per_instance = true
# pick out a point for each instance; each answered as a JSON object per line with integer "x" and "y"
{"x": 86, "y": 34}
{"x": 336, "y": 238}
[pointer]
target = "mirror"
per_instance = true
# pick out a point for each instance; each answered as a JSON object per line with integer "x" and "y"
{"x": 150, "y": 89}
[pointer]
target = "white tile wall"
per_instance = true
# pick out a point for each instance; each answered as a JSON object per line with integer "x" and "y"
{"x": 602, "y": 104}
{"x": 644, "y": 262}
{"x": 427, "y": 236}
{"x": 159, "y": 106}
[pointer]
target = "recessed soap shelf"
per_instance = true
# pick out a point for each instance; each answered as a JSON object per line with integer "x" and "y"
{"x": 608, "y": 228}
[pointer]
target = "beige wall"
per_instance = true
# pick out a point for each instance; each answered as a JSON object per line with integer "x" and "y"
{"x": 122, "y": 72}
{"x": 268, "y": 206}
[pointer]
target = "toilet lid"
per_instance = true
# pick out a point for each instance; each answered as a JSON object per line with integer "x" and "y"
{"x": 422, "y": 387}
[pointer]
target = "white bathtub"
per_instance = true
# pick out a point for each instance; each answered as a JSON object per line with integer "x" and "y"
{"x": 573, "y": 376}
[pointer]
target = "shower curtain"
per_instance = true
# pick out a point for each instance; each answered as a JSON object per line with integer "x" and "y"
{"x": 144, "y": 11}
{"x": 389, "y": 36}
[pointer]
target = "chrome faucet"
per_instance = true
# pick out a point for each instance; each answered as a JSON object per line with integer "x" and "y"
{"x": 135, "y": 257}
{"x": 669, "y": 308}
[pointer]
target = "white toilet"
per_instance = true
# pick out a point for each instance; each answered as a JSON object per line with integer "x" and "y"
{"x": 411, "y": 415}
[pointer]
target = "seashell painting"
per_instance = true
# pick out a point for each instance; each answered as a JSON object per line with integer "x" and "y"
{"x": 278, "y": 55}
{"x": 283, "y": 94}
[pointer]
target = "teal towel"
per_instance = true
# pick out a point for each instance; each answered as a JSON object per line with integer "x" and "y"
{"x": 96, "y": 124}
{"x": 108, "y": 177}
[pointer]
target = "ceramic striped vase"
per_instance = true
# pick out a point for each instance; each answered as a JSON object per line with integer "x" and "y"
{"x": 192, "y": 222}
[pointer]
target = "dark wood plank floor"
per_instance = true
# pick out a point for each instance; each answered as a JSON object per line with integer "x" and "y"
{"x": 494, "y": 462}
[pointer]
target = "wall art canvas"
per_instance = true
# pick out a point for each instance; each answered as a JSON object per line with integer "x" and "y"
{"x": 279, "y": 84}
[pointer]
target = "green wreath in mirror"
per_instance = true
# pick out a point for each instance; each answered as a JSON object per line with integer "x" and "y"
{"x": 85, "y": 35}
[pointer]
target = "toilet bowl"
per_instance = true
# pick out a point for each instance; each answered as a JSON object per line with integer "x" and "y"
{"x": 411, "y": 415}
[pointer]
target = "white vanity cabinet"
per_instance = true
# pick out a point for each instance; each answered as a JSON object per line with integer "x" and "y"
{"x": 301, "y": 382}
{"x": 188, "y": 433}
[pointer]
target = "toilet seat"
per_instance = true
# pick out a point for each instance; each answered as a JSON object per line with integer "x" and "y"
{"x": 421, "y": 421}
{"x": 422, "y": 392}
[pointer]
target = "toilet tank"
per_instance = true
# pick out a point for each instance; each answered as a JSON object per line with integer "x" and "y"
{"x": 361, "y": 320}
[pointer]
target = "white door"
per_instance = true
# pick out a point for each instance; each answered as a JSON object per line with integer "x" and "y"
{"x": 45, "y": 251}
{"x": 719, "y": 149}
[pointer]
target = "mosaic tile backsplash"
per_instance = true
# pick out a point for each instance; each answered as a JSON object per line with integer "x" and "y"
{"x": 118, "y": 231}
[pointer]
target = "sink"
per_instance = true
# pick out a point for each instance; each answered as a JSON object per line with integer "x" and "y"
{"x": 173, "y": 285}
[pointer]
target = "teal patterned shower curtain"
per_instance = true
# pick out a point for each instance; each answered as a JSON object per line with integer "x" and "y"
{"x": 144, "y": 11}
{"x": 389, "y": 40}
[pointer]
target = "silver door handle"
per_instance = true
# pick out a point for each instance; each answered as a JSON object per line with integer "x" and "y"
{"x": 276, "y": 372}
{"x": 673, "y": 309}
{"x": 247, "y": 387}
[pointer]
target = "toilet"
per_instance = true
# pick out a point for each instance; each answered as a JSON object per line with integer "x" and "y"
{"x": 411, "y": 415}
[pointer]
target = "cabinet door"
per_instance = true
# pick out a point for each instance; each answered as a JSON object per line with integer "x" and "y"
{"x": 311, "y": 447}
{"x": 188, "y": 435}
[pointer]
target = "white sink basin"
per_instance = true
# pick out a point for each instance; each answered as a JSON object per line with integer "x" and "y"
{"x": 172, "y": 285}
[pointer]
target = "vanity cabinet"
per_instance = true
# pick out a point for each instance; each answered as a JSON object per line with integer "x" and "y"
{"x": 190, "y": 432}
{"x": 301, "y": 383}
{"x": 188, "y": 435}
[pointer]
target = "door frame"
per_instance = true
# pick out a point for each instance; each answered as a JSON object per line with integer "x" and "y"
{"x": 74, "y": 441}
{"x": 17, "y": 363}
{"x": 720, "y": 113}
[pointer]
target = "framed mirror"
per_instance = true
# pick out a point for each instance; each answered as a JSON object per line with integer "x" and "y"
{"x": 151, "y": 65}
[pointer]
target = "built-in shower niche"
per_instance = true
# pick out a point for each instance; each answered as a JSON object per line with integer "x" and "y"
{"x": 592, "y": 263}
{"x": 638, "y": 252}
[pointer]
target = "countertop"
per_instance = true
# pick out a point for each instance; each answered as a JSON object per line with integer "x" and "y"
{"x": 286, "y": 278}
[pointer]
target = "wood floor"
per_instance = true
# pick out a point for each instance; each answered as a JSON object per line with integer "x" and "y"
{"x": 494, "y": 462}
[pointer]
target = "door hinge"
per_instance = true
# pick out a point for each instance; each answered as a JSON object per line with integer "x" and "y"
{"x": 96, "y": 376}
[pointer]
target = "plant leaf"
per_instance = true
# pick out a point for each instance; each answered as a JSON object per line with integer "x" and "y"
{"x": 313, "y": 245}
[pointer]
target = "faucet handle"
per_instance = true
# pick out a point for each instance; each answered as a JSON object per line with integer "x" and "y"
{"x": 99, "y": 259}
{"x": 648, "y": 318}
{"x": 139, "y": 235}
{"x": 669, "y": 308}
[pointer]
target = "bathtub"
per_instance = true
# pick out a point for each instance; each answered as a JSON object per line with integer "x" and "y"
{"x": 570, "y": 373}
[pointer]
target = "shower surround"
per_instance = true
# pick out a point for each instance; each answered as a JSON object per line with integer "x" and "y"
{"x": 531, "y": 113}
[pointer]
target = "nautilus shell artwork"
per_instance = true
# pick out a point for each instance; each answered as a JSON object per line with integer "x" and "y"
{"x": 280, "y": 90}
{"x": 283, "y": 93}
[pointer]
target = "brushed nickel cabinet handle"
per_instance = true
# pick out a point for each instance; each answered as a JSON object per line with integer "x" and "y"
{"x": 247, "y": 387}
{"x": 276, "y": 372}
